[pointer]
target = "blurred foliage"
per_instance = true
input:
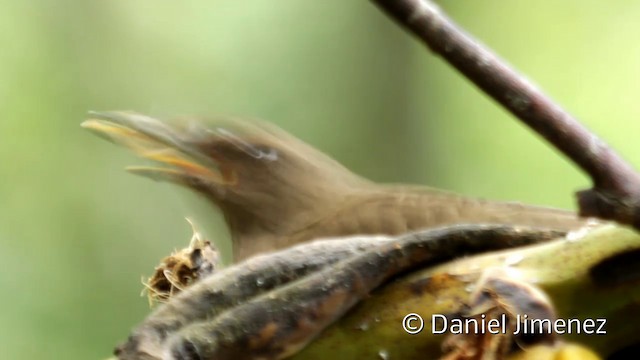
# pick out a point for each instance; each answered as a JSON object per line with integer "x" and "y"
{"x": 76, "y": 232}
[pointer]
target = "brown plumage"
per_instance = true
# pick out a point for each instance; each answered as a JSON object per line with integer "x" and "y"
{"x": 276, "y": 191}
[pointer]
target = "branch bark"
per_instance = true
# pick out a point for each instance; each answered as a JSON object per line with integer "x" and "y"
{"x": 615, "y": 194}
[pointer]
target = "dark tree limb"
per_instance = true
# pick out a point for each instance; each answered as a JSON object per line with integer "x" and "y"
{"x": 615, "y": 194}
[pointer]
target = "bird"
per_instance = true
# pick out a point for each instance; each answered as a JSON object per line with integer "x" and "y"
{"x": 275, "y": 191}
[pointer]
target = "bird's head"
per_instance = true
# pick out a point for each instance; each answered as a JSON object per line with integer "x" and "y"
{"x": 255, "y": 172}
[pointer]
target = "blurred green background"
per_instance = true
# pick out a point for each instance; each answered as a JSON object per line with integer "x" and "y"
{"x": 77, "y": 232}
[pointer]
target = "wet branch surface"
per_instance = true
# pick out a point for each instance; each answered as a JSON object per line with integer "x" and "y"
{"x": 615, "y": 194}
{"x": 272, "y": 305}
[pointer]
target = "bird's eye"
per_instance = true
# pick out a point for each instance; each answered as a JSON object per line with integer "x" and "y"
{"x": 253, "y": 150}
{"x": 266, "y": 153}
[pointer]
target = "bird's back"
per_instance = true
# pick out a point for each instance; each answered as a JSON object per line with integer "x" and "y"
{"x": 397, "y": 209}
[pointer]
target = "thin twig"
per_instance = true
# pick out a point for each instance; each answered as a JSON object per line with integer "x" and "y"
{"x": 616, "y": 185}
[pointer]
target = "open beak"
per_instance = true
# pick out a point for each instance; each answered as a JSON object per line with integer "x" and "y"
{"x": 149, "y": 138}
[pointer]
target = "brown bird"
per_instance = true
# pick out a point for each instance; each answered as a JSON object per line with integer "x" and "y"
{"x": 276, "y": 191}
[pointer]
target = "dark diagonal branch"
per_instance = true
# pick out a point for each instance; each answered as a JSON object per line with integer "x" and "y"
{"x": 616, "y": 185}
